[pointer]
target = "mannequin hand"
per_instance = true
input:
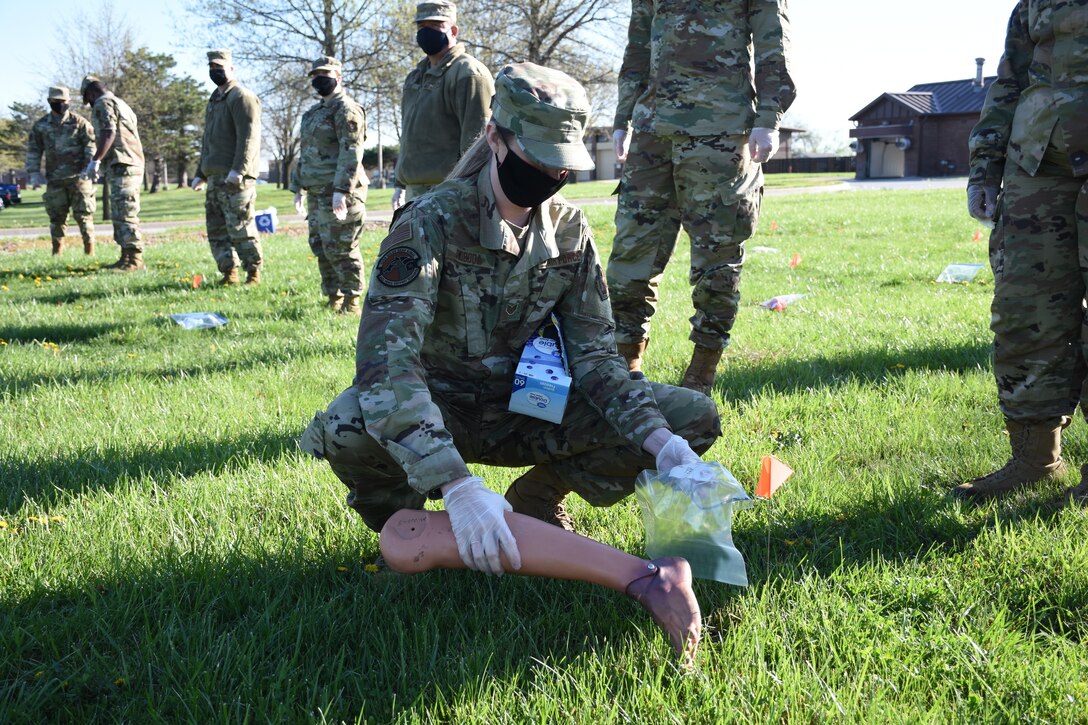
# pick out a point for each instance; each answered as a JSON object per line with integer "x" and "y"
{"x": 398, "y": 198}
{"x": 300, "y": 204}
{"x": 234, "y": 178}
{"x": 198, "y": 183}
{"x": 676, "y": 452}
{"x": 981, "y": 201}
{"x": 476, "y": 517}
{"x": 762, "y": 144}
{"x": 621, "y": 143}
{"x": 339, "y": 205}
{"x": 91, "y": 172}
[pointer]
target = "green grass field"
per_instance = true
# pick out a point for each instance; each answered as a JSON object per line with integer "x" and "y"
{"x": 167, "y": 554}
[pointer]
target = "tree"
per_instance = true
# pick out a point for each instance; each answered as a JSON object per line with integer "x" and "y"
{"x": 284, "y": 99}
{"x": 14, "y": 132}
{"x": 93, "y": 43}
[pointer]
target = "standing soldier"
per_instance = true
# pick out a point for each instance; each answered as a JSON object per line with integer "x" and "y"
{"x": 444, "y": 106}
{"x": 67, "y": 143}
{"x": 121, "y": 155}
{"x": 702, "y": 123}
{"x": 229, "y": 157}
{"x": 1029, "y": 174}
{"x": 330, "y": 171}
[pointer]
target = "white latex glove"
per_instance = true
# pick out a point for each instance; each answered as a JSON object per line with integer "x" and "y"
{"x": 476, "y": 517}
{"x": 676, "y": 452}
{"x": 198, "y": 184}
{"x": 91, "y": 172}
{"x": 36, "y": 179}
{"x": 234, "y": 178}
{"x": 300, "y": 204}
{"x": 762, "y": 144}
{"x": 339, "y": 205}
{"x": 398, "y": 198}
{"x": 621, "y": 143}
{"x": 981, "y": 201}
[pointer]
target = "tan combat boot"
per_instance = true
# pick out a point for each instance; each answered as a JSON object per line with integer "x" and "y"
{"x": 632, "y": 352}
{"x": 230, "y": 277}
{"x": 134, "y": 263}
{"x": 1036, "y": 456}
{"x": 351, "y": 306}
{"x": 88, "y": 247}
{"x": 539, "y": 493}
{"x": 700, "y": 373}
{"x": 335, "y": 300}
{"x": 56, "y": 247}
{"x": 253, "y": 277}
{"x": 120, "y": 262}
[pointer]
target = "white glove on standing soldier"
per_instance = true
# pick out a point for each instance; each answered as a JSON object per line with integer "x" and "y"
{"x": 300, "y": 204}
{"x": 198, "y": 183}
{"x": 476, "y": 517}
{"x": 676, "y": 452}
{"x": 339, "y": 205}
{"x": 981, "y": 202}
{"x": 398, "y": 198}
{"x": 621, "y": 143}
{"x": 91, "y": 172}
{"x": 762, "y": 144}
{"x": 234, "y": 178}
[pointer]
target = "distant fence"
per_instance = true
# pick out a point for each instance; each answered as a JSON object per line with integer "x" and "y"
{"x": 814, "y": 165}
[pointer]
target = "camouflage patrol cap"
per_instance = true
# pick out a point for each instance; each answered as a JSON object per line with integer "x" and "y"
{"x": 88, "y": 80}
{"x": 547, "y": 110}
{"x": 436, "y": 10}
{"x": 58, "y": 93}
{"x": 326, "y": 62}
{"x": 220, "y": 57}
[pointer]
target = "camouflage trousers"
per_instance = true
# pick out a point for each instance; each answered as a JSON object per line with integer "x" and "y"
{"x": 585, "y": 451}
{"x": 73, "y": 194}
{"x": 335, "y": 243}
{"x": 1037, "y": 253}
{"x": 230, "y": 217}
{"x": 710, "y": 187}
{"x": 125, "y": 182}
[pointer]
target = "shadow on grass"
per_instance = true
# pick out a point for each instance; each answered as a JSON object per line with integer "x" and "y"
{"x": 156, "y": 288}
{"x": 44, "y": 482}
{"x": 54, "y": 333}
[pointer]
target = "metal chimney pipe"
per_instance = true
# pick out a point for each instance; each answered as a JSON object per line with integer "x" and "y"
{"x": 978, "y": 73}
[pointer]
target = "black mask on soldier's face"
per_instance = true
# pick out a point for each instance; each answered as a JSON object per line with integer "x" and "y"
{"x": 431, "y": 40}
{"x": 59, "y": 107}
{"x": 324, "y": 85}
{"x": 524, "y": 184}
{"x": 218, "y": 75}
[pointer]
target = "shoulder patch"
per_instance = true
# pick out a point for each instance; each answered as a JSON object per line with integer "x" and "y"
{"x": 398, "y": 267}
{"x": 400, "y": 234}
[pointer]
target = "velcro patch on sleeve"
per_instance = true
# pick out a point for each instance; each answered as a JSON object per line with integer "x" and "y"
{"x": 398, "y": 267}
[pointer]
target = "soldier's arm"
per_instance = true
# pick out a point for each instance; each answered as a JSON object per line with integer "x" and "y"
{"x": 350, "y": 135}
{"x": 472, "y": 103}
{"x": 86, "y": 132}
{"x": 246, "y": 114}
{"x": 635, "y": 72}
{"x": 107, "y": 128}
{"x": 400, "y": 306}
{"x": 34, "y": 148}
{"x": 989, "y": 139}
{"x": 599, "y": 372}
{"x": 775, "y": 90}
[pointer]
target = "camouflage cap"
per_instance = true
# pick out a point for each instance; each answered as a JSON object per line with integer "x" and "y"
{"x": 88, "y": 80}
{"x": 58, "y": 93}
{"x": 547, "y": 110}
{"x": 326, "y": 62}
{"x": 436, "y": 10}
{"x": 219, "y": 56}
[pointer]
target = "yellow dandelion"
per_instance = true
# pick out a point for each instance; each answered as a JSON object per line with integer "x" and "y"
{"x": 4, "y": 287}
{"x": 789, "y": 542}
{"x": 132, "y": 354}
{"x": 900, "y": 365}
{"x": 56, "y": 519}
{"x": 48, "y": 278}
{"x": 3, "y": 342}
{"x": 37, "y": 520}
{"x": 120, "y": 681}
{"x": 3, "y": 524}
{"x": 371, "y": 569}
{"x": 39, "y": 675}
{"x": 341, "y": 569}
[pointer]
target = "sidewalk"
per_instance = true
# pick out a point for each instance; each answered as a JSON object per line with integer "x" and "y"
{"x": 384, "y": 216}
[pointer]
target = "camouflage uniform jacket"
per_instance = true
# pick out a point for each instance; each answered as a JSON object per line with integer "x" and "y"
{"x": 1040, "y": 95}
{"x": 443, "y": 110}
{"x": 450, "y": 305}
{"x": 331, "y": 150}
{"x": 686, "y": 70}
{"x": 110, "y": 113}
{"x": 232, "y": 133}
{"x": 67, "y": 144}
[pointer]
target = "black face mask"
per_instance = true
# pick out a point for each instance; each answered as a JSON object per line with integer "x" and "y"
{"x": 431, "y": 40}
{"x": 324, "y": 85}
{"x": 524, "y": 184}
{"x": 59, "y": 107}
{"x": 218, "y": 76}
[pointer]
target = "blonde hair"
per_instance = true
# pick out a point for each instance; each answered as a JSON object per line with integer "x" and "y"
{"x": 474, "y": 159}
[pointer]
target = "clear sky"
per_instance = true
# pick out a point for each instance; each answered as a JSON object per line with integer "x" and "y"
{"x": 846, "y": 52}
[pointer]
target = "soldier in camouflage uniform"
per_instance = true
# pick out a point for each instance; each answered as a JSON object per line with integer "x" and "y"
{"x": 330, "y": 172}
{"x": 468, "y": 272}
{"x": 66, "y": 141}
{"x": 702, "y": 123}
{"x": 444, "y": 105}
{"x": 228, "y": 167}
{"x": 120, "y": 155}
{"x": 1029, "y": 175}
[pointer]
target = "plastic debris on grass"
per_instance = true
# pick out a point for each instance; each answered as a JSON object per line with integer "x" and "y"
{"x": 199, "y": 320}
{"x": 781, "y": 302}
{"x": 959, "y": 273}
{"x": 764, "y": 249}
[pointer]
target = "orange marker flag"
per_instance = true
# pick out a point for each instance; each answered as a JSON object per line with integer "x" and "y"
{"x": 795, "y": 260}
{"x": 772, "y": 474}
{"x": 774, "y": 226}
{"x": 978, "y": 236}
{"x": 197, "y": 279}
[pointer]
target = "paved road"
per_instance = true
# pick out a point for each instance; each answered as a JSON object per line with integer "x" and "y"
{"x": 383, "y": 216}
